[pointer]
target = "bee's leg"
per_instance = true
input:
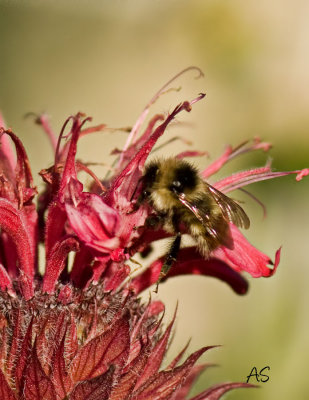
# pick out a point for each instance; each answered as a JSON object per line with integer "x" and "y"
{"x": 170, "y": 259}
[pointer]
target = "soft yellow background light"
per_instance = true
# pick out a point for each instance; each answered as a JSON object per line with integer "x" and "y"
{"x": 107, "y": 59}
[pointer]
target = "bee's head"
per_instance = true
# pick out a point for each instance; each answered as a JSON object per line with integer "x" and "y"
{"x": 185, "y": 178}
{"x": 149, "y": 178}
{"x": 169, "y": 176}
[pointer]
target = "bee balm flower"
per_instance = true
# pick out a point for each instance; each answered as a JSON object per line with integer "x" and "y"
{"x": 80, "y": 332}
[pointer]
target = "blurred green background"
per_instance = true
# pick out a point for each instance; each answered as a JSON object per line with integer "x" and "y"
{"x": 107, "y": 59}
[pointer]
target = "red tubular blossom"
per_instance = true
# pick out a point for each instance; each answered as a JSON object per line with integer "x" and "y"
{"x": 94, "y": 222}
{"x": 191, "y": 262}
{"x": 245, "y": 257}
{"x": 12, "y": 221}
{"x": 56, "y": 262}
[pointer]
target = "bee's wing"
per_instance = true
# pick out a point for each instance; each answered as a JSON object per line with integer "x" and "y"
{"x": 230, "y": 209}
{"x": 221, "y": 236}
{"x": 192, "y": 207}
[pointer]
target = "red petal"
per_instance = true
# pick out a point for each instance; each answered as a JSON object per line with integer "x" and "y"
{"x": 217, "y": 164}
{"x": 156, "y": 307}
{"x": 13, "y": 223}
{"x": 97, "y": 388}
{"x": 20, "y": 184}
{"x": 10, "y": 257}
{"x": 245, "y": 178}
{"x": 37, "y": 385}
{"x": 69, "y": 170}
{"x": 82, "y": 270}
{"x": 56, "y": 219}
{"x": 44, "y": 121}
{"x": 302, "y": 173}
{"x": 114, "y": 276}
{"x": 191, "y": 153}
{"x": 95, "y": 357}
{"x": 56, "y": 262}
{"x": 216, "y": 392}
{"x": 6, "y": 392}
{"x": 245, "y": 257}
{"x": 231, "y": 153}
{"x": 63, "y": 153}
{"x": 94, "y": 222}
{"x": 23, "y": 176}
{"x": 5, "y": 281}
{"x": 191, "y": 262}
{"x": 7, "y": 157}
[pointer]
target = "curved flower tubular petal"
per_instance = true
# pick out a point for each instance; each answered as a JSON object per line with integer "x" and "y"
{"x": 231, "y": 153}
{"x": 6, "y": 150}
{"x": 191, "y": 262}
{"x": 245, "y": 178}
{"x": 6, "y": 281}
{"x": 56, "y": 262}
{"x": 94, "y": 222}
{"x": 12, "y": 221}
{"x": 114, "y": 275}
{"x": 23, "y": 177}
{"x": 55, "y": 223}
{"x": 245, "y": 257}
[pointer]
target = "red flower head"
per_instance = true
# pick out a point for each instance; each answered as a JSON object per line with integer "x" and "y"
{"x": 79, "y": 331}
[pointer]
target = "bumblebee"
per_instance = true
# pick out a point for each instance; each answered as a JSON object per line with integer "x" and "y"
{"x": 184, "y": 203}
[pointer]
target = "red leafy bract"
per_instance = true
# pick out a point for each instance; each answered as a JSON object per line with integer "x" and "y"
{"x": 94, "y": 389}
{"x": 216, "y": 392}
{"x": 6, "y": 392}
{"x": 96, "y": 356}
{"x": 163, "y": 384}
{"x": 37, "y": 384}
